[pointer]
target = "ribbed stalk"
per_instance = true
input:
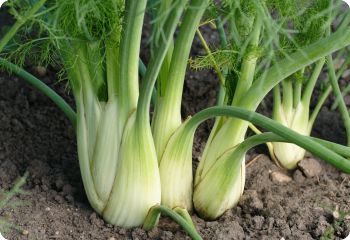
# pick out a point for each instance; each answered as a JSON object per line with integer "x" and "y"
{"x": 168, "y": 111}
{"x": 106, "y": 150}
{"x": 84, "y": 158}
{"x": 217, "y": 145}
{"x": 295, "y": 116}
{"x": 287, "y": 154}
{"x": 136, "y": 187}
{"x": 248, "y": 63}
{"x": 129, "y": 57}
{"x": 175, "y": 169}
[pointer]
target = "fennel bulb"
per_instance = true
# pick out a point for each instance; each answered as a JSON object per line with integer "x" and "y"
{"x": 297, "y": 119}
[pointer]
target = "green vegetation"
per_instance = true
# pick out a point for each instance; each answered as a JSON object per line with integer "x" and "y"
{"x": 6, "y": 202}
{"x": 134, "y": 167}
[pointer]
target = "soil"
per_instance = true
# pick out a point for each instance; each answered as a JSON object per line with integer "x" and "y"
{"x": 36, "y": 137}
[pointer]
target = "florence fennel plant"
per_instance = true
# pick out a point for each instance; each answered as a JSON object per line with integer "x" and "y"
{"x": 134, "y": 167}
{"x": 254, "y": 32}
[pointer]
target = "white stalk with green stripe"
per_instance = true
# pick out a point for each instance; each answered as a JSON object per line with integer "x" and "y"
{"x": 293, "y": 112}
{"x": 174, "y": 156}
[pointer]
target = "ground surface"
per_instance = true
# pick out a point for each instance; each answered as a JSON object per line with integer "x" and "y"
{"x": 36, "y": 137}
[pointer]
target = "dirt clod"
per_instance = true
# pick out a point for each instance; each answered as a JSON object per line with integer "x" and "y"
{"x": 310, "y": 167}
{"x": 280, "y": 177}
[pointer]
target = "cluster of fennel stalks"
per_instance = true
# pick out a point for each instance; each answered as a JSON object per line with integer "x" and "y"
{"x": 134, "y": 167}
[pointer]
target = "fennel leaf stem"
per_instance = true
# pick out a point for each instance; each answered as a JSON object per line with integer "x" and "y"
{"x": 259, "y": 120}
{"x": 296, "y": 61}
{"x": 153, "y": 216}
{"x": 339, "y": 97}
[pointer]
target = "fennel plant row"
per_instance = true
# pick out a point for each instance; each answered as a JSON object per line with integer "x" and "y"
{"x": 135, "y": 167}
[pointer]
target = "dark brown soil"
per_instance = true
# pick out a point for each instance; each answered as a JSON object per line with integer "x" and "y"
{"x": 36, "y": 137}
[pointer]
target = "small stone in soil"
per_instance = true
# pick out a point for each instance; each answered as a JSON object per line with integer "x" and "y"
{"x": 280, "y": 177}
{"x": 25, "y": 232}
{"x": 310, "y": 167}
{"x": 336, "y": 213}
